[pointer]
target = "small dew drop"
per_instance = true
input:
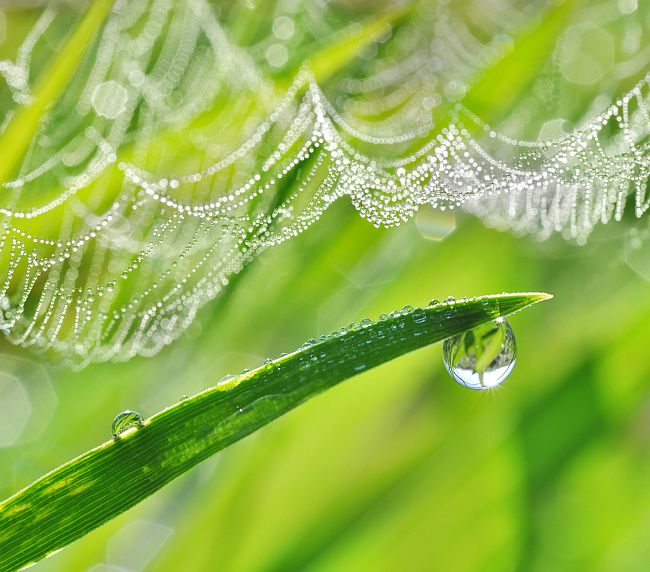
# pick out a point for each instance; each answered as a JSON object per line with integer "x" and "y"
{"x": 124, "y": 421}
{"x": 226, "y": 379}
{"x": 434, "y": 302}
{"x": 450, "y": 300}
{"x": 483, "y": 357}
{"x": 366, "y": 322}
{"x": 419, "y": 316}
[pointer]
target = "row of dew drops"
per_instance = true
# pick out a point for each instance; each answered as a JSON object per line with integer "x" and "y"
{"x": 480, "y": 358}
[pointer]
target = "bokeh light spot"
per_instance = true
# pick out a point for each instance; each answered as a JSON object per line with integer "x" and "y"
{"x": 15, "y": 409}
{"x": 435, "y": 224}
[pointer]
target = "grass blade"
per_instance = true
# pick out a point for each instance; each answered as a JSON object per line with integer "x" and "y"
{"x": 86, "y": 492}
{"x": 24, "y": 124}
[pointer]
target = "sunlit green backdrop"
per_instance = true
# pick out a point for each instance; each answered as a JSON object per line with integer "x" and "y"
{"x": 399, "y": 468}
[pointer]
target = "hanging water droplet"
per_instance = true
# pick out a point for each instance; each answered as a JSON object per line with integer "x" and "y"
{"x": 483, "y": 357}
{"x": 124, "y": 421}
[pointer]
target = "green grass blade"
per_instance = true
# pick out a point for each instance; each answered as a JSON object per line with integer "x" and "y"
{"x": 498, "y": 87}
{"x": 330, "y": 60}
{"x": 86, "y": 492}
{"x": 24, "y": 124}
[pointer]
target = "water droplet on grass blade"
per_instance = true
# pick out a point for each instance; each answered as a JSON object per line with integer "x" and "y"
{"x": 483, "y": 357}
{"x": 124, "y": 421}
{"x": 419, "y": 316}
{"x": 226, "y": 379}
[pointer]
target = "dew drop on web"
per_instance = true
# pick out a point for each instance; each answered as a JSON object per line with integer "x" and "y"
{"x": 126, "y": 420}
{"x": 483, "y": 357}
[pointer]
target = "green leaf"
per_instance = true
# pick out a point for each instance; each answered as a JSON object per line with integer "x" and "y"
{"x": 86, "y": 492}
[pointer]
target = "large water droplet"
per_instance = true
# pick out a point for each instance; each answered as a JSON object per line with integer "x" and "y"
{"x": 483, "y": 357}
{"x": 126, "y": 420}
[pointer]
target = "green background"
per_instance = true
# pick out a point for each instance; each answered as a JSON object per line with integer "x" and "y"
{"x": 398, "y": 468}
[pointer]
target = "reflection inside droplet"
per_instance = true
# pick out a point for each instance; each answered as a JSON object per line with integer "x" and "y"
{"x": 126, "y": 420}
{"x": 483, "y": 357}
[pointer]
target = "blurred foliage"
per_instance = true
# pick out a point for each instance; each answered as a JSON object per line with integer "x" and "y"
{"x": 401, "y": 468}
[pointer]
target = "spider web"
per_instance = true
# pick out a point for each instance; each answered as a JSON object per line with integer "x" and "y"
{"x": 171, "y": 161}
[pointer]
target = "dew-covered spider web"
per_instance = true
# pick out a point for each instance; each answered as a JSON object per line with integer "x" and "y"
{"x": 152, "y": 149}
